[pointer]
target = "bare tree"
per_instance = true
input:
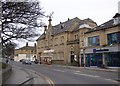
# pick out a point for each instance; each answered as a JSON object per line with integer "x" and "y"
{"x": 9, "y": 49}
{"x": 20, "y": 20}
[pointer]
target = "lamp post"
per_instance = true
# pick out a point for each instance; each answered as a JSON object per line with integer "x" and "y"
{"x": 84, "y": 56}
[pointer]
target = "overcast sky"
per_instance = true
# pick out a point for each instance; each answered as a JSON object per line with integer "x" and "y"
{"x": 99, "y": 11}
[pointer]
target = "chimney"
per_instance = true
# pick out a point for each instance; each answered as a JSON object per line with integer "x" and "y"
{"x": 26, "y": 43}
{"x": 68, "y": 19}
{"x": 34, "y": 44}
{"x": 50, "y": 21}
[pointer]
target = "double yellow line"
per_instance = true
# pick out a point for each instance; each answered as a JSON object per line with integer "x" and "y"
{"x": 50, "y": 82}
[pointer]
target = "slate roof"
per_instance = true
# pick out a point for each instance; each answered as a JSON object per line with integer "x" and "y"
{"x": 27, "y": 48}
{"x": 65, "y": 26}
{"x": 89, "y": 20}
{"x": 116, "y": 15}
{"x": 41, "y": 37}
{"x": 106, "y": 25}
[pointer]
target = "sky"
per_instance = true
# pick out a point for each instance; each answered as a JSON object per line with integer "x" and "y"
{"x": 99, "y": 11}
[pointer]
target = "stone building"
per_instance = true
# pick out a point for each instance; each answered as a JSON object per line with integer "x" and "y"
{"x": 102, "y": 44}
{"x": 81, "y": 41}
{"x": 25, "y": 52}
{"x": 60, "y": 43}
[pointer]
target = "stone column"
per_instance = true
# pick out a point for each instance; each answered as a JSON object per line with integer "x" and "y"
{"x": 103, "y": 58}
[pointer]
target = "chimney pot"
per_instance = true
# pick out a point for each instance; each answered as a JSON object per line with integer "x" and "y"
{"x": 68, "y": 19}
{"x": 26, "y": 43}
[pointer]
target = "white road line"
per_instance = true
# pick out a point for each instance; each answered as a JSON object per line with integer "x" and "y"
{"x": 86, "y": 75}
{"x": 59, "y": 70}
{"x": 77, "y": 71}
{"x": 111, "y": 80}
{"x": 96, "y": 77}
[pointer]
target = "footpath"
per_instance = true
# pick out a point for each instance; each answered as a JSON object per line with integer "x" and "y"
{"x": 20, "y": 77}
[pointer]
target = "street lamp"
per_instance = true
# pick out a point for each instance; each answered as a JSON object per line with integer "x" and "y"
{"x": 84, "y": 56}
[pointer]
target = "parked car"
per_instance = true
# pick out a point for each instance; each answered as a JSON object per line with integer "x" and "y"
{"x": 21, "y": 60}
{"x": 25, "y": 61}
{"x": 36, "y": 61}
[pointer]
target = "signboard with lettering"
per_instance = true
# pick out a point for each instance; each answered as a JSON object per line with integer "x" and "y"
{"x": 99, "y": 50}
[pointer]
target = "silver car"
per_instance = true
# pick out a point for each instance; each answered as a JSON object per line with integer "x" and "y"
{"x": 25, "y": 61}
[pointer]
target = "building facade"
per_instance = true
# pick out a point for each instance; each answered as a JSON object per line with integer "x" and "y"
{"x": 26, "y": 52}
{"x": 82, "y": 42}
{"x": 103, "y": 44}
{"x": 60, "y": 43}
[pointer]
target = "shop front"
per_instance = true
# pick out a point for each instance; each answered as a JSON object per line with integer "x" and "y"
{"x": 47, "y": 56}
{"x": 101, "y": 57}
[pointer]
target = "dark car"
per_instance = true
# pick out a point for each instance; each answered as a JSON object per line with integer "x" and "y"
{"x": 36, "y": 61}
{"x": 25, "y": 61}
{"x": 21, "y": 60}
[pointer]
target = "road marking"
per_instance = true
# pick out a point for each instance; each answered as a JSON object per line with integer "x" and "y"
{"x": 111, "y": 80}
{"x": 49, "y": 81}
{"x": 77, "y": 71}
{"x": 95, "y": 77}
{"x": 86, "y": 75}
{"x": 59, "y": 70}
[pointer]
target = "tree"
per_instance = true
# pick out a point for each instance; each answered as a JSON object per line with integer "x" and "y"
{"x": 20, "y": 20}
{"x": 9, "y": 49}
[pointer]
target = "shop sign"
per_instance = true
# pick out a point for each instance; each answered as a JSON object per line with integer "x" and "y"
{"x": 48, "y": 51}
{"x": 99, "y": 50}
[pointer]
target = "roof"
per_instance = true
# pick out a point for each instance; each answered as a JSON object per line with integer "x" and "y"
{"x": 41, "y": 37}
{"x": 66, "y": 26}
{"x": 116, "y": 15}
{"x": 106, "y": 25}
{"x": 27, "y": 48}
{"x": 62, "y": 27}
{"x": 89, "y": 20}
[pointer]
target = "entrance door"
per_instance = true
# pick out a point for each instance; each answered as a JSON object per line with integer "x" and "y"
{"x": 88, "y": 60}
{"x": 72, "y": 56}
{"x": 99, "y": 59}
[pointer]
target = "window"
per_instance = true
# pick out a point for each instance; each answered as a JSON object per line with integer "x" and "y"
{"x": 31, "y": 51}
{"x": 51, "y": 41}
{"x": 56, "y": 41}
{"x": 76, "y": 37}
{"x": 113, "y": 38}
{"x": 62, "y": 39}
{"x": 94, "y": 41}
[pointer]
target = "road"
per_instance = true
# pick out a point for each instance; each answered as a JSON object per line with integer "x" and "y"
{"x": 62, "y": 75}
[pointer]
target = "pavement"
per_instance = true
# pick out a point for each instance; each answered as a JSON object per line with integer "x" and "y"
{"x": 22, "y": 76}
